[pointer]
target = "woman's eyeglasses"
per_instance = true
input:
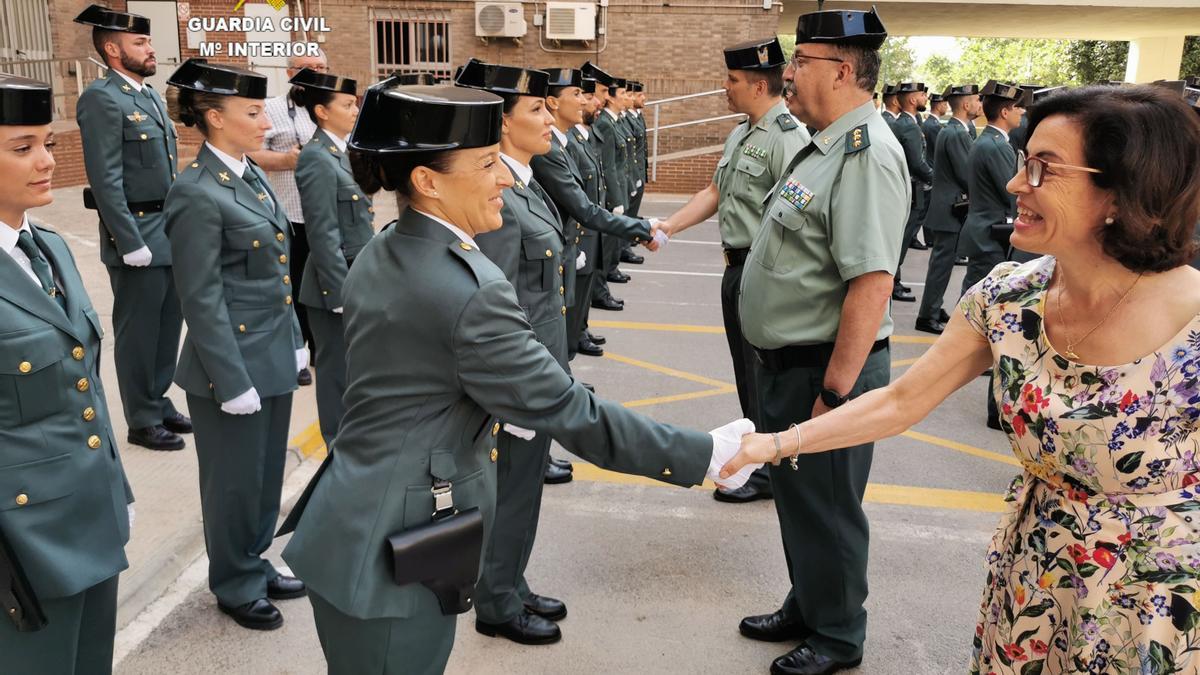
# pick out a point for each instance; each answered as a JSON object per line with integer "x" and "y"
{"x": 1035, "y": 168}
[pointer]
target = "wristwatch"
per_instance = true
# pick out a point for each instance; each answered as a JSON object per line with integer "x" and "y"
{"x": 832, "y": 399}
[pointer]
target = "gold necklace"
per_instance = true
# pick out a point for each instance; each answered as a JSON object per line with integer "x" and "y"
{"x": 1071, "y": 344}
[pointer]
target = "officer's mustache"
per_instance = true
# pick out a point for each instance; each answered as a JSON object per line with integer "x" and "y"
{"x": 789, "y": 89}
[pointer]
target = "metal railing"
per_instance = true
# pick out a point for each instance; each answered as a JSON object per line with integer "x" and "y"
{"x": 657, "y": 105}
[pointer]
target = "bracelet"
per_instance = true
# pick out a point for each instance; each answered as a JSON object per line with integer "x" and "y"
{"x": 796, "y": 457}
{"x": 778, "y": 450}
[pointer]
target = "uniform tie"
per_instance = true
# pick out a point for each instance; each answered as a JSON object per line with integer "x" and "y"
{"x": 41, "y": 268}
{"x": 260, "y": 190}
{"x": 537, "y": 190}
{"x": 146, "y": 91}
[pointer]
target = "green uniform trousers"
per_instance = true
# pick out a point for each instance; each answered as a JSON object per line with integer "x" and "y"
{"x": 77, "y": 640}
{"x": 918, "y": 206}
{"x": 942, "y": 246}
{"x": 419, "y": 645}
{"x": 825, "y": 531}
{"x": 520, "y": 471}
{"x": 577, "y": 314}
{"x": 147, "y": 323}
{"x": 610, "y": 257}
{"x": 241, "y": 478}
{"x": 742, "y": 353}
{"x": 329, "y": 341}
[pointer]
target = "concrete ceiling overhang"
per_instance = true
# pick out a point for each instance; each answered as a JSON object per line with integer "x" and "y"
{"x": 1056, "y": 19}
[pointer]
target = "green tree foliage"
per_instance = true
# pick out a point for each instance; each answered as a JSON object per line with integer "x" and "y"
{"x": 1043, "y": 62}
{"x": 1191, "y": 57}
{"x": 896, "y": 56}
{"x": 1097, "y": 60}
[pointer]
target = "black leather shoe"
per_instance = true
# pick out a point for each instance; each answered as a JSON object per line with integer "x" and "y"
{"x": 608, "y": 303}
{"x": 561, "y": 463}
{"x": 774, "y": 627}
{"x": 804, "y": 661}
{"x": 943, "y": 316}
{"x": 257, "y": 615}
{"x": 556, "y": 475}
{"x": 589, "y": 348}
{"x": 746, "y": 493}
{"x": 598, "y": 339}
{"x": 547, "y": 608}
{"x": 918, "y": 245}
{"x": 930, "y": 326}
{"x": 304, "y": 377}
{"x": 962, "y": 260}
{"x": 526, "y": 628}
{"x": 155, "y": 438}
{"x": 902, "y": 294}
{"x": 284, "y": 587}
{"x": 618, "y": 277}
{"x": 177, "y": 423}
{"x": 632, "y": 258}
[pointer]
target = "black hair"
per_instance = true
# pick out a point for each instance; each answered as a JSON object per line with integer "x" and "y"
{"x": 188, "y": 106}
{"x": 309, "y": 98}
{"x": 375, "y": 172}
{"x": 101, "y": 36}
{"x": 866, "y": 64}
{"x": 772, "y": 76}
{"x": 993, "y": 106}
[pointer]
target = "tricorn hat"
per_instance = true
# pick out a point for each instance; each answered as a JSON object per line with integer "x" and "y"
{"x": 412, "y": 78}
{"x": 564, "y": 77}
{"x": 593, "y": 71}
{"x": 762, "y": 54}
{"x": 1192, "y": 96}
{"x": 500, "y": 79}
{"x": 1002, "y": 90}
{"x": 588, "y": 85}
{"x": 311, "y": 79}
{"x": 107, "y": 19}
{"x": 25, "y": 102}
{"x": 421, "y": 118}
{"x": 910, "y": 87}
{"x": 842, "y": 27}
{"x": 1044, "y": 92}
{"x": 218, "y": 78}
{"x": 890, "y": 89}
{"x": 961, "y": 90}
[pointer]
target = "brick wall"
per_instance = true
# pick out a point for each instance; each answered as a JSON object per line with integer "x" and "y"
{"x": 685, "y": 175}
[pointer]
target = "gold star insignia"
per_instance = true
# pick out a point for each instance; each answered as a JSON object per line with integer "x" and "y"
{"x": 333, "y": 149}
{"x": 126, "y": 87}
{"x": 520, "y": 185}
{"x": 857, "y": 143}
{"x": 262, "y": 196}
{"x": 223, "y": 176}
{"x": 136, "y": 116}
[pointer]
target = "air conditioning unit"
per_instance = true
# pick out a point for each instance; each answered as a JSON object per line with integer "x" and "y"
{"x": 571, "y": 20}
{"x": 499, "y": 19}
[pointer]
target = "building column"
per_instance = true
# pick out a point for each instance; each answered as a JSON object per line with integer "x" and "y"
{"x": 1154, "y": 58}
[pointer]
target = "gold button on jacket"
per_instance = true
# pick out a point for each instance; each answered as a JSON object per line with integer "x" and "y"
{"x": 89, "y": 414}
{"x": 22, "y": 499}
{"x": 25, "y": 367}
{"x": 93, "y": 442}
{"x": 82, "y": 384}
{"x": 77, "y": 353}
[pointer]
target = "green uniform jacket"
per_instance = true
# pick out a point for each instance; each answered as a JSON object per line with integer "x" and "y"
{"x": 626, "y": 124}
{"x": 338, "y": 219}
{"x": 129, "y": 155}
{"x": 641, "y": 163}
{"x": 529, "y": 250}
{"x": 231, "y": 270}
{"x": 930, "y": 128}
{"x": 62, "y": 488}
{"x": 889, "y": 118}
{"x": 912, "y": 141}
{"x": 591, "y": 172}
{"x": 992, "y": 163}
{"x": 950, "y": 179}
{"x": 609, "y": 139}
{"x": 430, "y": 369}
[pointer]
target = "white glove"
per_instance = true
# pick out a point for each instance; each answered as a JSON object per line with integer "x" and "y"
{"x": 581, "y": 261}
{"x": 661, "y": 239}
{"x": 337, "y": 310}
{"x": 519, "y": 432}
{"x": 727, "y": 440}
{"x": 132, "y": 515}
{"x": 301, "y": 359}
{"x": 138, "y": 258}
{"x": 619, "y": 210}
{"x": 639, "y": 184}
{"x": 247, "y": 403}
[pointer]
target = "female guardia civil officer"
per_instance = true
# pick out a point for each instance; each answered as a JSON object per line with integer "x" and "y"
{"x": 436, "y": 345}
{"x": 229, "y": 241}
{"x": 63, "y": 493}
{"x": 338, "y": 216}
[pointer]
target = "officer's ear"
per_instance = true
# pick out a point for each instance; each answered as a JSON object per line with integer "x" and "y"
{"x": 552, "y": 104}
{"x": 214, "y": 119}
{"x": 423, "y": 182}
{"x": 321, "y": 111}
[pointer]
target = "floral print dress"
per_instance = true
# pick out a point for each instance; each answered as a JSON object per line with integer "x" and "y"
{"x": 1095, "y": 566}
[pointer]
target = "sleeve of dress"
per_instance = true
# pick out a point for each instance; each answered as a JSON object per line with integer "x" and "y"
{"x": 975, "y": 303}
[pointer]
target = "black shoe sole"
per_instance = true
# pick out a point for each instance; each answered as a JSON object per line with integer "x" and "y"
{"x": 157, "y": 447}
{"x": 927, "y": 329}
{"x": 633, "y": 262}
{"x": 559, "y": 481}
{"x": 493, "y": 631}
{"x": 590, "y": 352}
{"x": 252, "y": 625}
{"x": 562, "y": 464}
{"x": 620, "y": 280}
{"x": 176, "y": 429}
{"x": 601, "y": 342}
{"x": 613, "y": 308}
{"x": 729, "y": 499}
{"x": 904, "y": 298}
{"x": 552, "y": 616}
{"x": 292, "y": 595}
{"x": 847, "y": 665}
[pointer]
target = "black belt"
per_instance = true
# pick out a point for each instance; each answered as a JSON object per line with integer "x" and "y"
{"x": 138, "y": 208}
{"x": 735, "y": 257}
{"x": 803, "y": 356}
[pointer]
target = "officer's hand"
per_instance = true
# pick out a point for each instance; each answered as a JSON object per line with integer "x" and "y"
{"x": 292, "y": 157}
{"x": 337, "y": 310}
{"x": 139, "y": 258}
{"x": 755, "y": 450}
{"x": 132, "y": 515}
{"x": 581, "y": 261}
{"x": 727, "y": 441}
{"x": 247, "y": 403}
{"x": 618, "y": 210}
{"x": 301, "y": 359}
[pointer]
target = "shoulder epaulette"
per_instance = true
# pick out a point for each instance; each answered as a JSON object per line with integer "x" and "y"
{"x": 857, "y": 139}
{"x": 786, "y": 122}
{"x": 475, "y": 260}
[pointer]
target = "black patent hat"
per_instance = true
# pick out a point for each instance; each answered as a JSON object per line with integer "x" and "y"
{"x": 636, "y": 86}
{"x": 422, "y": 118}
{"x": 937, "y": 98}
{"x": 219, "y": 78}
{"x": 500, "y": 79}
{"x": 311, "y": 79}
{"x": 890, "y": 89}
{"x": 755, "y": 55}
{"x": 412, "y": 78}
{"x": 108, "y": 19}
{"x": 1010, "y": 92}
{"x": 588, "y": 85}
{"x": 564, "y": 77}
{"x": 25, "y": 102}
{"x": 1192, "y": 96}
{"x": 961, "y": 90}
{"x": 593, "y": 71}
{"x": 842, "y": 27}
{"x": 1043, "y": 93}
{"x": 1192, "y": 82}
{"x": 1177, "y": 86}
{"x": 911, "y": 87}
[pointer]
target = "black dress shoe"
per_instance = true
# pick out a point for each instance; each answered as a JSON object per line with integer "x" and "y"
{"x": 556, "y": 475}
{"x": 284, "y": 587}
{"x": 775, "y": 627}
{"x": 526, "y": 628}
{"x": 930, "y": 326}
{"x": 902, "y": 294}
{"x": 257, "y": 615}
{"x": 547, "y": 608}
{"x": 804, "y": 661}
{"x": 304, "y": 377}
{"x": 177, "y": 423}
{"x": 589, "y": 348}
{"x": 746, "y": 493}
{"x": 607, "y": 303}
{"x": 918, "y": 245}
{"x": 632, "y": 258}
{"x": 598, "y": 339}
{"x": 943, "y": 316}
{"x": 961, "y": 260}
{"x": 155, "y": 438}
{"x": 618, "y": 277}
{"x": 561, "y": 463}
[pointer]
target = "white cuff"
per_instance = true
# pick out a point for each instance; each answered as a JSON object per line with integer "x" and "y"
{"x": 520, "y": 432}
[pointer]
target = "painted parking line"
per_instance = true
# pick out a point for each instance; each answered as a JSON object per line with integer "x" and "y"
{"x": 720, "y": 330}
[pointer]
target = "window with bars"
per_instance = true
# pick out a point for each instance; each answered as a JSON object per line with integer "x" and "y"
{"x": 411, "y": 42}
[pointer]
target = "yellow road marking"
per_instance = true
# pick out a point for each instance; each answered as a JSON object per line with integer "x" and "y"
{"x": 898, "y": 363}
{"x": 690, "y": 377}
{"x": 693, "y": 328}
{"x": 309, "y": 442}
{"x": 675, "y": 398}
{"x": 962, "y": 447}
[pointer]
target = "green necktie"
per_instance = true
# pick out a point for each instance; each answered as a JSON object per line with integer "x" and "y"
{"x": 153, "y": 103}
{"x": 41, "y": 268}
{"x": 260, "y": 190}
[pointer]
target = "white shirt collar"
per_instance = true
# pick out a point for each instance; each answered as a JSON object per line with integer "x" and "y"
{"x": 462, "y": 236}
{"x": 132, "y": 82}
{"x": 238, "y": 166}
{"x": 611, "y": 113}
{"x": 524, "y": 173}
{"x": 338, "y": 141}
{"x": 562, "y": 138}
{"x": 587, "y": 133}
{"x": 8, "y": 236}
{"x": 966, "y": 125}
{"x": 912, "y": 116}
{"x": 1002, "y": 132}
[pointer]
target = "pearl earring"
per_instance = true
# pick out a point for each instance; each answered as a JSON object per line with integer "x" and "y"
{"x": 1109, "y": 220}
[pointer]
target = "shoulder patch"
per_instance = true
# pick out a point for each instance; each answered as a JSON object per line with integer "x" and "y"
{"x": 786, "y": 122}
{"x": 857, "y": 139}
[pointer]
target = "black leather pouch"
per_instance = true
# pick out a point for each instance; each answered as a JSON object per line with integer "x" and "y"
{"x": 960, "y": 207}
{"x": 17, "y": 598}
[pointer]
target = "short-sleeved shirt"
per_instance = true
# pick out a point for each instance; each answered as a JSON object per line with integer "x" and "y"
{"x": 839, "y": 213}
{"x": 753, "y": 161}
{"x": 291, "y": 127}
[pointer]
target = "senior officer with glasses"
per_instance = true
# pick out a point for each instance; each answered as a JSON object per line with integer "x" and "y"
{"x": 814, "y": 304}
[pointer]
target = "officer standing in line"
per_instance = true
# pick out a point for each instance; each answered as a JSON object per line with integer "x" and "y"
{"x": 754, "y": 158}
{"x": 912, "y": 97}
{"x": 338, "y": 223}
{"x": 948, "y": 203}
{"x": 590, "y": 170}
{"x": 243, "y": 347}
{"x": 637, "y": 98}
{"x": 932, "y": 125}
{"x": 64, "y": 520}
{"x": 1019, "y": 136}
{"x": 614, "y": 129}
{"x": 610, "y": 148}
{"x": 129, "y": 149}
{"x": 891, "y": 104}
{"x": 636, "y": 142}
{"x": 814, "y": 304}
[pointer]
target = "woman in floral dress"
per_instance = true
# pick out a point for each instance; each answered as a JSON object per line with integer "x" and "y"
{"x": 1095, "y": 566}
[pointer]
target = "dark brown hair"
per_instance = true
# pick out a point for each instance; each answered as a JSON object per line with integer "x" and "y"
{"x": 772, "y": 76}
{"x": 309, "y": 98}
{"x": 1146, "y": 142}
{"x": 188, "y": 106}
{"x": 375, "y": 172}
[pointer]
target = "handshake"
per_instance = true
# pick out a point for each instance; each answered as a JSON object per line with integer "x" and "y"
{"x": 659, "y": 235}
{"x": 738, "y": 452}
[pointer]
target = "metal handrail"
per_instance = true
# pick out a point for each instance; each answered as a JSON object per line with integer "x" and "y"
{"x": 706, "y": 120}
{"x": 678, "y": 125}
{"x": 686, "y": 97}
